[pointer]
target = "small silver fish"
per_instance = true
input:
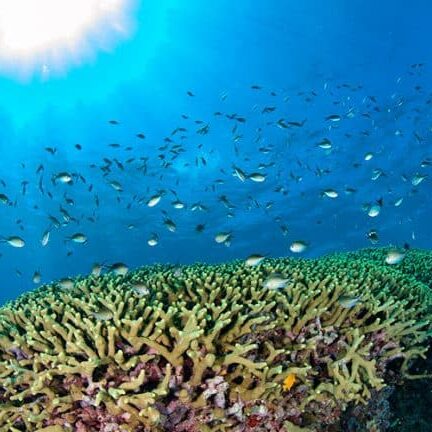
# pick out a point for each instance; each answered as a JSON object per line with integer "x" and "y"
{"x": 116, "y": 186}
{"x": 275, "y": 281}
{"x": 78, "y": 238}
{"x": 241, "y": 175}
{"x": 171, "y": 226}
{"x": 325, "y": 144}
{"x": 330, "y": 193}
{"x": 334, "y": 118}
{"x": 153, "y": 240}
{"x": 103, "y": 314}
{"x": 398, "y": 202}
{"x": 14, "y": 241}
{"x": 154, "y": 200}
{"x": 62, "y": 177}
{"x": 222, "y": 237}
{"x": 36, "y": 277}
{"x": 394, "y": 256}
{"x": 417, "y": 179}
{"x": 45, "y": 238}
{"x": 374, "y": 210}
{"x": 198, "y": 206}
{"x": 298, "y": 246}
{"x": 257, "y": 177}
{"x": 96, "y": 269}
{"x": 177, "y": 204}
{"x": 348, "y": 301}
{"x": 377, "y": 173}
{"x": 254, "y": 260}
{"x": 66, "y": 283}
{"x": 140, "y": 288}
{"x": 119, "y": 268}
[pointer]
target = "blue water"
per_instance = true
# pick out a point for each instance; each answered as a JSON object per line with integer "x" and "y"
{"x": 344, "y": 52}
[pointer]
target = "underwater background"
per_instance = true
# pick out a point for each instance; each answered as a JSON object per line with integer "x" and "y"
{"x": 208, "y": 132}
{"x": 357, "y": 60}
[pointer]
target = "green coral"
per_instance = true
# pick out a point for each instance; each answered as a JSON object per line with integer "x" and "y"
{"x": 416, "y": 262}
{"x": 212, "y": 340}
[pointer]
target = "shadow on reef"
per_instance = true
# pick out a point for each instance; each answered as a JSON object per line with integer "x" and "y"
{"x": 411, "y": 404}
{"x": 399, "y": 408}
{"x": 288, "y": 345}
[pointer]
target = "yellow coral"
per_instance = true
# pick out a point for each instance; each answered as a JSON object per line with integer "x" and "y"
{"x": 289, "y": 381}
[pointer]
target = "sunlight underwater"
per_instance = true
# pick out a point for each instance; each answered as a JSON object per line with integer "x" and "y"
{"x": 46, "y": 38}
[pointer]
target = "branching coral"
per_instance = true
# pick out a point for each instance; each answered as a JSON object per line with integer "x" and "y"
{"x": 208, "y": 348}
{"x": 416, "y": 262}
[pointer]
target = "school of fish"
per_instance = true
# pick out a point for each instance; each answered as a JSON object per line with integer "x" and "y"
{"x": 176, "y": 183}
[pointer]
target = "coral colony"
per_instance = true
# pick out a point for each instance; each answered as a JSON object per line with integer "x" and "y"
{"x": 208, "y": 348}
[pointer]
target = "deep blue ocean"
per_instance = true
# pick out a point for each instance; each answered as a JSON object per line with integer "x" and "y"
{"x": 268, "y": 121}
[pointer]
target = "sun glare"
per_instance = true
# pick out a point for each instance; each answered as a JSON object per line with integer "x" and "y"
{"x": 48, "y": 36}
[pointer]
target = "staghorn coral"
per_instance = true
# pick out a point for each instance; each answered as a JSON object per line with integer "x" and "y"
{"x": 410, "y": 403}
{"x": 417, "y": 262}
{"x": 207, "y": 348}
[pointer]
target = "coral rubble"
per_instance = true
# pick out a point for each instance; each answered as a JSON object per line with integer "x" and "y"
{"x": 207, "y": 348}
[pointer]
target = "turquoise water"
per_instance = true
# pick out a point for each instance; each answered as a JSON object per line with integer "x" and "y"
{"x": 367, "y": 64}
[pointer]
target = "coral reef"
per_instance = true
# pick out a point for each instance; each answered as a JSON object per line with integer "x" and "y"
{"x": 416, "y": 262}
{"x": 409, "y": 403}
{"x": 208, "y": 348}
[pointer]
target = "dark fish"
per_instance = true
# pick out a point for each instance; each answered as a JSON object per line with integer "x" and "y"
{"x": 281, "y": 123}
{"x": 372, "y": 235}
{"x": 200, "y": 228}
{"x": 268, "y": 109}
{"x": 286, "y": 124}
{"x": 203, "y": 130}
{"x": 296, "y": 123}
{"x": 4, "y": 199}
